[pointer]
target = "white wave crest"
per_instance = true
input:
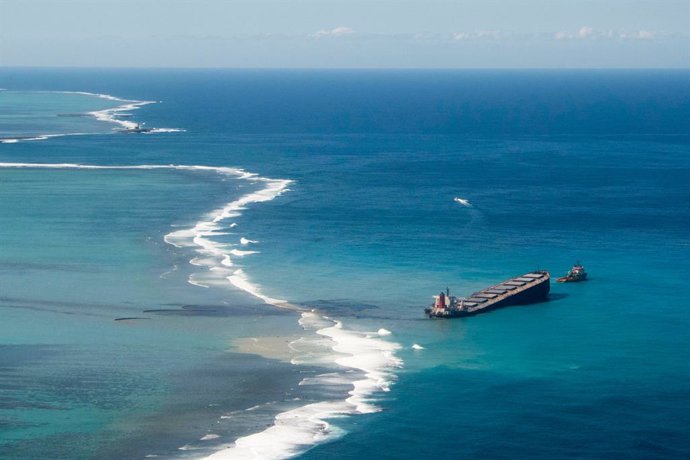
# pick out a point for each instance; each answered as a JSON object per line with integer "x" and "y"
{"x": 239, "y": 253}
{"x": 110, "y": 115}
{"x": 42, "y": 137}
{"x": 165, "y": 130}
{"x": 296, "y": 430}
{"x": 240, "y": 280}
{"x": 107, "y": 115}
{"x": 210, "y": 253}
{"x": 209, "y": 437}
{"x": 363, "y": 360}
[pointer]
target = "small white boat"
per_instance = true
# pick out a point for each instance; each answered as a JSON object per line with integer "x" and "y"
{"x": 462, "y": 201}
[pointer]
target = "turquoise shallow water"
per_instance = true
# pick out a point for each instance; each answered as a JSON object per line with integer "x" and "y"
{"x": 87, "y": 249}
{"x": 36, "y": 113}
{"x": 557, "y": 166}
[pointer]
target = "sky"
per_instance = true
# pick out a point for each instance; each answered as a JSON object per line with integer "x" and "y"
{"x": 346, "y": 33}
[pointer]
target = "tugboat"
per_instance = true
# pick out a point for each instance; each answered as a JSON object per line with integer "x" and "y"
{"x": 575, "y": 275}
{"x": 137, "y": 128}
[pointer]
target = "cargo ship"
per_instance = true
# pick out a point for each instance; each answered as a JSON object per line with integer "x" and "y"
{"x": 529, "y": 288}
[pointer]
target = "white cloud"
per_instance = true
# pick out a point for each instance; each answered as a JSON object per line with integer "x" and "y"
{"x": 481, "y": 35}
{"x": 336, "y": 32}
{"x": 586, "y": 32}
{"x": 639, "y": 35}
{"x": 583, "y": 33}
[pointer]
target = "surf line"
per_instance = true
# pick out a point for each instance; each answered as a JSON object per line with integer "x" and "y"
{"x": 363, "y": 360}
{"x": 210, "y": 254}
{"x": 106, "y": 115}
{"x": 111, "y": 115}
{"x": 40, "y": 137}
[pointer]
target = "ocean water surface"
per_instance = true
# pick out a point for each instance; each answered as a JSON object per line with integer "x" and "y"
{"x": 247, "y": 279}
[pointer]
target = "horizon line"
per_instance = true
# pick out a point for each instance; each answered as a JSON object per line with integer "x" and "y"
{"x": 86, "y": 67}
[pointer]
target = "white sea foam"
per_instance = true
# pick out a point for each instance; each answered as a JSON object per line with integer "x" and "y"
{"x": 42, "y": 137}
{"x": 416, "y": 346}
{"x": 210, "y": 253}
{"x": 110, "y": 115}
{"x": 239, "y": 253}
{"x": 330, "y": 378}
{"x": 362, "y": 360}
{"x": 213, "y": 254}
{"x": 296, "y": 430}
{"x": 165, "y": 130}
{"x": 85, "y": 93}
{"x": 240, "y": 280}
{"x": 193, "y": 280}
{"x": 107, "y": 115}
{"x": 188, "y": 447}
{"x": 165, "y": 275}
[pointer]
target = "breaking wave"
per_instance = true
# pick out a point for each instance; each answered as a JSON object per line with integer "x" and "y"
{"x": 363, "y": 361}
{"x": 42, "y": 137}
{"x": 110, "y": 115}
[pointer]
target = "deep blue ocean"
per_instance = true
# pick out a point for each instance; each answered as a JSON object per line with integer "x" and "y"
{"x": 157, "y": 304}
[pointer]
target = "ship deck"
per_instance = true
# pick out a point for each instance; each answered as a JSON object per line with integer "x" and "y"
{"x": 503, "y": 291}
{"x": 521, "y": 289}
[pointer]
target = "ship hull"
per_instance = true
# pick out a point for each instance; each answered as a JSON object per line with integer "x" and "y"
{"x": 533, "y": 291}
{"x": 566, "y": 279}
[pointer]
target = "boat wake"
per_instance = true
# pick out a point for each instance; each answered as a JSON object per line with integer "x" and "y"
{"x": 363, "y": 361}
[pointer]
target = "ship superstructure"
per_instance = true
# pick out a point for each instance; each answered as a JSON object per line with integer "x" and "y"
{"x": 575, "y": 274}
